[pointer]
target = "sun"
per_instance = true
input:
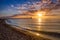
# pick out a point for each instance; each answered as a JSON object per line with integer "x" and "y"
{"x": 39, "y": 14}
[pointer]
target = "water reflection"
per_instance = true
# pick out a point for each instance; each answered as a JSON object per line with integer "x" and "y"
{"x": 39, "y": 19}
{"x": 39, "y": 22}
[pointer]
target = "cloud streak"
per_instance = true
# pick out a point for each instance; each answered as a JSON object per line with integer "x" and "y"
{"x": 39, "y": 5}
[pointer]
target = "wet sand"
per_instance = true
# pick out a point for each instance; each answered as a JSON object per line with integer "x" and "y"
{"x": 8, "y": 33}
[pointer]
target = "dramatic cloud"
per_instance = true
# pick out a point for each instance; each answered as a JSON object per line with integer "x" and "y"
{"x": 38, "y": 5}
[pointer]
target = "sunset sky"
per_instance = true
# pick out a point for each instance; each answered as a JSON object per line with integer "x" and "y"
{"x": 10, "y": 7}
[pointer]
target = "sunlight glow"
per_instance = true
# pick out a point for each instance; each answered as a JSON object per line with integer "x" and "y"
{"x": 39, "y": 22}
{"x": 39, "y": 19}
{"x": 40, "y": 13}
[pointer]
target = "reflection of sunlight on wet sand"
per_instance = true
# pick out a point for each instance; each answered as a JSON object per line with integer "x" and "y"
{"x": 37, "y": 34}
{"x": 34, "y": 33}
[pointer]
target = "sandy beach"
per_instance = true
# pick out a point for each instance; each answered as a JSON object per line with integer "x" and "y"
{"x": 8, "y": 33}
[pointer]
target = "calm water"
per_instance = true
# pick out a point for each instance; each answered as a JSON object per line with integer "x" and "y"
{"x": 38, "y": 24}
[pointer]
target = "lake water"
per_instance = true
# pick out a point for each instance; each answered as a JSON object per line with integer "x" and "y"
{"x": 38, "y": 24}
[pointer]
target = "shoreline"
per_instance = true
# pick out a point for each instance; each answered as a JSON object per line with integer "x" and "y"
{"x": 9, "y": 33}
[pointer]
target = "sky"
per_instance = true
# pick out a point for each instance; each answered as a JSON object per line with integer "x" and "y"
{"x": 14, "y": 2}
{"x": 11, "y": 7}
